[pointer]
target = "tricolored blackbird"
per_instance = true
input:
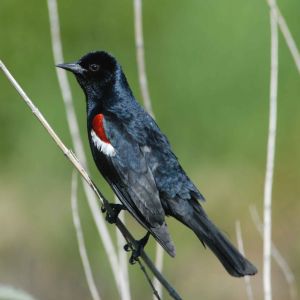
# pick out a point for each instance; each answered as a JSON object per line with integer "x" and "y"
{"x": 137, "y": 161}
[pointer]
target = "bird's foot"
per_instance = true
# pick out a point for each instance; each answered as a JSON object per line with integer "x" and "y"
{"x": 136, "y": 252}
{"x": 112, "y": 215}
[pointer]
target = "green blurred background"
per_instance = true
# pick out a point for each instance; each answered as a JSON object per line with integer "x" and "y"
{"x": 208, "y": 68}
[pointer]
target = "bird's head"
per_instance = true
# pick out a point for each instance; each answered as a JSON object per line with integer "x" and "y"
{"x": 93, "y": 71}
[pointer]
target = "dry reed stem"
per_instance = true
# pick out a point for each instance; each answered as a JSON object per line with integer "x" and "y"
{"x": 73, "y": 159}
{"x": 159, "y": 260}
{"x": 278, "y": 257}
{"x": 267, "y": 281}
{"x": 142, "y": 75}
{"x": 79, "y": 150}
{"x": 140, "y": 55}
{"x": 8, "y": 292}
{"x": 80, "y": 239}
{"x": 242, "y": 250}
{"x": 290, "y": 41}
{"x": 122, "y": 254}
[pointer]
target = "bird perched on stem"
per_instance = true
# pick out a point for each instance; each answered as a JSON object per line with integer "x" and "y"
{"x": 137, "y": 161}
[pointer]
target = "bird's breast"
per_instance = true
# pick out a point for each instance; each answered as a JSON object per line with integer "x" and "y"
{"x": 99, "y": 137}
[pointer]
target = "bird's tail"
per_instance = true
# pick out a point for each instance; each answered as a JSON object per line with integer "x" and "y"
{"x": 161, "y": 234}
{"x": 233, "y": 261}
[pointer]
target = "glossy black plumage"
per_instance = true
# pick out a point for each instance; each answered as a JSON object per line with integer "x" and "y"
{"x": 144, "y": 173}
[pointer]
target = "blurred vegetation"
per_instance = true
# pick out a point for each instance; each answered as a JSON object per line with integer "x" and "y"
{"x": 208, "y": 70}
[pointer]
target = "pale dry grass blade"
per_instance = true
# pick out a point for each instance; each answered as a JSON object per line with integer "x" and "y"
{"x": 290, "y": 41}
{"x": 159, "y": 262}
{"x": 63, "y": 80}
{"x": 80, "y": 239}
{"x": 242, "y": 250}
{"x": 78, "y": 146}
{"x": 140, "y": 57}
{"x": 278, "y": 257}
{"x": 8, "y": 292}
{"x": 79, "y": 167}
{"x": 267, "y": 280}
{"x": 122, "y": 254}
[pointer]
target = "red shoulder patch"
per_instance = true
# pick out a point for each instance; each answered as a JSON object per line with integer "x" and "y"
{"x": 98, "y": 127}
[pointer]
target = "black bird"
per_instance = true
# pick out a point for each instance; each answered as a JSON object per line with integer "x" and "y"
{"x": 137, "y": 161}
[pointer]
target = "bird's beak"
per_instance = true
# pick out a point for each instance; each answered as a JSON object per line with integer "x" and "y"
{"x": 73, "y": 67}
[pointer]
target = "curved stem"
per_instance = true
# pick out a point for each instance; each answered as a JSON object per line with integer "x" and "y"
{"x": 73, "y": 159}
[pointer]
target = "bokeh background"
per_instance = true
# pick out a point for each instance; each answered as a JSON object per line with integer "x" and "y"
{"x": 208, "y": 68}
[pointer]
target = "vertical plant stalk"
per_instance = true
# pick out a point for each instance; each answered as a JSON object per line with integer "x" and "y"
{"x": 122, "y": 254}
{"x": 64, "y": 85}
{"x": 267, "y": 284}
{"x": 79, "y": 150}
{"x": 278, "y": 257}
{"x": 242, "y": 250}
{"x": 80, "y": 239}
{"x": 159, "y": 261}
{"x": 286, "y": 34}
{"x": 277, "y": 15}
{"x": 79, "y": 167}
{"x": 140, "y": 57}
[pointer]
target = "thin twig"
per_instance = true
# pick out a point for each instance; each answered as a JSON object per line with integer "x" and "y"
{"x": 143, "y": 269}
{"x": 267, "y": 283}
{"x": 155, "y": 292}
{"x": 73, "y": 159}
{"x": 140, "y": 56}
{"x": 290, "y": 41}
{"x": 278, "y": 257}
{"x": 80, "y": 239}
{"x": 79, "y": 150}
{"x": 242, "y": 250}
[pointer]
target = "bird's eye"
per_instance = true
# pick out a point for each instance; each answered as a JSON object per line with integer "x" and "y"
{"x": 94, "y": 67}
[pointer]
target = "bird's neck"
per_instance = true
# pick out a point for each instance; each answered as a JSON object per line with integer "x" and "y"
{"x": 109, "y": 98}
{"x": 97, "y": 97}
{"x": 92, "y": 107}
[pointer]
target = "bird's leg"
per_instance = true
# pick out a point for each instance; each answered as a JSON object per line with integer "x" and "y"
{"x": 140, "y": 244}
{"x": 112, "y": 214}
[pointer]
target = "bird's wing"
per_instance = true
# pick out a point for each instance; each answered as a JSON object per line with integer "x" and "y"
{"x": 134, "y": 180}
{"x": 126, "y": 170}
{"x": 170, "y": 178}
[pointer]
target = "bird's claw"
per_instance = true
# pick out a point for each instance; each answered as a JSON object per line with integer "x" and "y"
{"x": 136, "y": 253}
{"x": 134, "y": 256}
{"x": 127, "y": 247}
{"x": 112, "y": 215}
{"x": 103, "y": 209}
